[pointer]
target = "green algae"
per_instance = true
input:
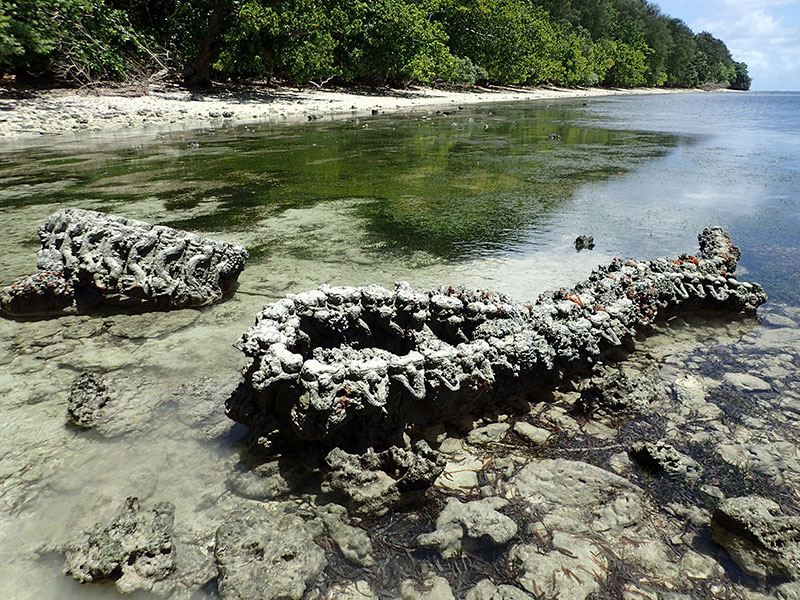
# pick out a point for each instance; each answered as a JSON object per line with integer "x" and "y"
{"x": 451, "y": 185}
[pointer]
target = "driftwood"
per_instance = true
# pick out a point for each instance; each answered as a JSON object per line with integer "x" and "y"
{"x": 90, "y": 258}
{"x": 359, "y": 365}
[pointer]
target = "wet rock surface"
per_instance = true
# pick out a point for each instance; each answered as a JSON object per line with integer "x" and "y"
{"x": 87, "y": 397}
{"x": 618, "y": 391}
{"x": 584, "y": 242}
{"x": 374, "y": 483}
{"x": 486, "y": 590}
{"x": 356, "y": 366}
{"x": 588, "y": 523}
{"x": 266, "y": 554}
{"x": 353, "y": 542}
{"x": 660, "y": 457}
{"x": 430, "y": 588}
{"x": 464, "y": 526}
{"x": 135, "y": 551}
{"x": 760, "y": 539}
{"x": 88, "y": 258}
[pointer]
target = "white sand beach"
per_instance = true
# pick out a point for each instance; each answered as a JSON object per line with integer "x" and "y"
{"x": 69, "y": 113}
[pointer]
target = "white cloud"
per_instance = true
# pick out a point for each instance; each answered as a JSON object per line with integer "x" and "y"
{"x": 737, "y": 4}
{"x": 763, "y": 33}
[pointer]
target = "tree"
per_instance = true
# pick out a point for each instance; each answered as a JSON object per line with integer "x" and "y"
{"x": 76, "y": 41}
{"x": 681, "y": 71}
{"x": 292, "y": 38}
{"x": 566, "y": 42}
{"x": 514, "y": 42}
{"x": 741, "y": 79}
{"x": 393, "y": 41}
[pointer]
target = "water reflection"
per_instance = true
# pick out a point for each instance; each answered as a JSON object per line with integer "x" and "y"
{"x": 452, "y": 185}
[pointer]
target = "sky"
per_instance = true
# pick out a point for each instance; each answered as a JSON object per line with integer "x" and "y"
{"x": 765, "y": 34}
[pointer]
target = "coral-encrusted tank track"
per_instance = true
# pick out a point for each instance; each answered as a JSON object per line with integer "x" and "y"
{"x": 351, "y": 365}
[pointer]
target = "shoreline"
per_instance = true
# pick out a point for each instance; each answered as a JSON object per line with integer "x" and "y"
{"x": 72, "y": 115}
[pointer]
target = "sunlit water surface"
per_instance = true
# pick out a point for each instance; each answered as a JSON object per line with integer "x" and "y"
{"x": 488, "y": 196}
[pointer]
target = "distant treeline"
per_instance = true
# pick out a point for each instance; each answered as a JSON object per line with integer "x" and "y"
{"x": 622, "y": 43}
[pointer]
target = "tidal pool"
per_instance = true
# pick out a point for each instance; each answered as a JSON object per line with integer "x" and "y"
{"x": 488, "y": 196}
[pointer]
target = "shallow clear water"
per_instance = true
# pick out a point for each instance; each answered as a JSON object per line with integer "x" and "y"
{"x": 482, "y": 197}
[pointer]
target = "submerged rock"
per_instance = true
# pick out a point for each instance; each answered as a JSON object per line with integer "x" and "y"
{"x": 469, "y": 526}
{"x": 353, "y": 542}
{"x": 266, "y": 554}
{"x": 88, "y": 395}
{"x": 487, "y": 590}
{"x": 356, "y": 366}
{"x": 374, "y": 483}
{"x": 351, "y": 590}
{"x": 531, "y": 433}
{"x": 264, "y": 482}
{"x": 493, "y": 432}
{"x": 89, "y": 258}
{"x": 660, "y": 457}
{"x": 620, "y": 391}
{"x": 431, "y": 587}
{"x": 135, "y": 551}
{"x": 573, "y": 570}
{"x": 584, "y": 242}
{"x": 585, "y": 525}
{"x": 763, "y": 542}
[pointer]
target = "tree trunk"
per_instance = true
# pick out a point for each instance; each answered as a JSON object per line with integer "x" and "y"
{"x": 199, "y": 72}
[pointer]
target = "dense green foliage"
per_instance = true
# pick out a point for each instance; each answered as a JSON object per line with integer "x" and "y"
{"x": 564, "y": 42}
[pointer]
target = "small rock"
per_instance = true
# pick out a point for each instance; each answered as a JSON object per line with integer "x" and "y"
{"x": 617, "y": 391}
{"x": 660, "y": 457}
{"x": 689, "y": 390}
{"x": 699, "y": 566}
{"x": 265, "y": 482}
{"x": 451, "y": 446}
{"x": 620, "y": 463}
{"x": 87, "y": 396}
{"x": 487, "y": 434}
{"x": 531, "y": 433}
{"x": 763, "y": 543}
{"x": 469, "y": 526}
{"x": 584, "y": 242}
{"x": 135, "y": 550}
{"x": 351, "y": 590}
{"x": 431, "y": 588}
{"x": 354, "y": 543}
{"x": 374, "y": 483}
{"x": 265, "y": 554}
{"x": 746, "y": 382}
{"x": 460, "y": 474}
{"x": 712, "y": 491}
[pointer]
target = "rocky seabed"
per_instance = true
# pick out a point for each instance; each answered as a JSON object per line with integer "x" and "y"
{"x": 612, "y": 465}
